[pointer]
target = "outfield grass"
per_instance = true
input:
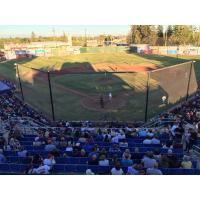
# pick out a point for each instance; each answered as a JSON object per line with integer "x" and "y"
{"x": 68, "y": 105}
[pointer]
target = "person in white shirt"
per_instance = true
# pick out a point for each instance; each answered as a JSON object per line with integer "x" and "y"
{"x": 69, "y": 148}
{"x": 115, "y": 139}
{"x": 173, "y": 129}
{"x": 117, "y": 170}
{"x": 89, "y": 172}
{"x": 110, "y": 96}
{"x": 43, "y": 169}
{"x": 164, "y": 99}
{"x": 50, "y": 161}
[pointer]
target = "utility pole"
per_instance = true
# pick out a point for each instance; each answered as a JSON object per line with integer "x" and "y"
{"x": 85, "y": 37}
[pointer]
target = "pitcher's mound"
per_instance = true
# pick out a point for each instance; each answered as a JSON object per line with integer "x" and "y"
{"x": 116, "y": 103}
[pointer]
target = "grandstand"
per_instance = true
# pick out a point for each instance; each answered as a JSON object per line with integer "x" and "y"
{"x": 32, "y": 144}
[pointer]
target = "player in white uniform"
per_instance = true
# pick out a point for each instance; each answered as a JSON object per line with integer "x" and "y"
{"x": 110, "y": 96}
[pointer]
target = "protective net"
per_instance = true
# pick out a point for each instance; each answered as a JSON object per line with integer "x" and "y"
{"x": 99, "y": 96}
{"x": 35, "y": 89}
{"x": 169, "y": 86}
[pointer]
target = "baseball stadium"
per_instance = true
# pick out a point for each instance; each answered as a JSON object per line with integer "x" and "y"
{"x": 107, "y": 112}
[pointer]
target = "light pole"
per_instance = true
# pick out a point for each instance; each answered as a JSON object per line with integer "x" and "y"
{"x": 20, "y": 84}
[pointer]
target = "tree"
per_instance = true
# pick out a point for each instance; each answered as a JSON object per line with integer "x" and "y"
{"x": 64, "y": 37}
{"x": 142, "y": 34}
{"x": 182, "y": 35}
{"x": 33, "y": 37}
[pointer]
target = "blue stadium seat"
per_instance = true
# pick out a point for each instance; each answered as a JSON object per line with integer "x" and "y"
{"x": 81, "y": 169}
{"x": 70, "y": 168}
{"x": 58, "y": 168}
{"x": 4, "y": 168}
{"x": 197, "y": 171}
{"x": 104, "y": 170}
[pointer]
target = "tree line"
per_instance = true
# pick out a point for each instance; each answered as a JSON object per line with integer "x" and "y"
{"x": 138, "y": 34}
{"x": 164, "y": 35}
{"x": 76, "y": 40}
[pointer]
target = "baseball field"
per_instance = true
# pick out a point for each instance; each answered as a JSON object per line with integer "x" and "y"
{"x": 82, "y": 84}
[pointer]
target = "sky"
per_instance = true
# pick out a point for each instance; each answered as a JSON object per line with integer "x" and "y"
{"x": 25, "y": 30}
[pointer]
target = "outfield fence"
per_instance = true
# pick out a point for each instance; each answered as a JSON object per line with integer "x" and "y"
{"x": 106, "y": 96}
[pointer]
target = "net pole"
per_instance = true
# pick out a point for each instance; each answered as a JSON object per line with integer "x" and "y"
{"x": 20, "y": 84}
{"x": 188, "y": 86}
{"x": 51, "y": 97}
{"x": 147, "y": 97}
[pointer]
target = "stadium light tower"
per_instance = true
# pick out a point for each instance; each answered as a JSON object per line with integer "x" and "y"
{"x": 165, "y": 27}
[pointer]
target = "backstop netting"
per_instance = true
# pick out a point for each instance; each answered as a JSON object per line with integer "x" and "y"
{"x": 169, "y": 86}
{"x": 110, "y": 96}
{"x": 35, "y": 89}
{"x": 99, "y": 96}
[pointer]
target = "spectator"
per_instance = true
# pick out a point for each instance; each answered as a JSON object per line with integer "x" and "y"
{"x": 150, "y": 133}
{"x": 103, "y": 161}
{"x": 2, "y": 157}
{"x": 134, "y": 169}
{"x": 89, "y": 172}
{"x": 147, "y": 140}
{"x": 164, "y": 162}
{"x": 69, "y": 147}
{"x": 126, "y": 162}
{"x": 173, "y": 161}
{"x": 37, "y": 142}
{"x": 93, "y": 160}
{"x": 114, "y": 149}
{"x": 62, "y": 143}
{"x": 94, "y": 152}
{"x": 50, "y": 146}
{"x": 103, "y": 152}
{"x": 126, "y": 154}
{"x": 50, "y": 161}
{"x": 36, "y": 160}
{"x": 154, "y": 170}
{"x": 148, "y": 160}
{"x": 42, "y": 169}
{"x": 123, "y": 143}
{"x": 156, "y": 154}
{"x": 186, "y": 163}
{"x": 155, "y": 140}
{"x": 142, "y": 133}
{"x": 136, "y": 155}
{"x": 115, "y": 139}
{"x": 117, "y": 170}
{"x": 22, "y": 153}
